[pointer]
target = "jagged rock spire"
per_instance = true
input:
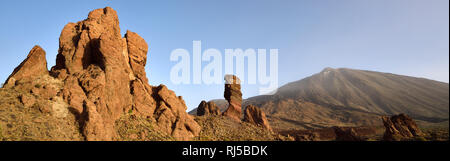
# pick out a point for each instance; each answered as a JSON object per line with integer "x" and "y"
{"x": 234, "y": 97}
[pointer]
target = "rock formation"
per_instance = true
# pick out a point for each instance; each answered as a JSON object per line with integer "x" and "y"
{"x": 400, "y": 127}
{"x": 207, "y": 108}
{"x": 346, "y": 134}
{"x": 31, "y": 68}
{"x": 103, "y": 77}
{"x": 254, "y": 115}
{"x": 234, "y": 97}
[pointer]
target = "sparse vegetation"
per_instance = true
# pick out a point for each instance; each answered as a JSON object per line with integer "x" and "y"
{"x": 20, "y": 123}
{"x": 1, "y": 132}
{"x": 436, "y": 134}
{"x": 135, "y": 128}
{"x": 219, "y": 128}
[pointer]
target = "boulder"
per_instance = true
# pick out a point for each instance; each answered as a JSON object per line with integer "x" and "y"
{"x": 234, "y": 97}
{"x": 256, "y": 116}
{"x": 207, "y": 108}
{"x": 400, "y": 127}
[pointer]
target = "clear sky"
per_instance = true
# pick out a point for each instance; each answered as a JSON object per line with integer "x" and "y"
{"x": 408, "y": 37}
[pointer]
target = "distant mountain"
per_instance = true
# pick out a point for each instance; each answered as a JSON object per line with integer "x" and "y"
{"x": 348, "y": 97}
{"x": 354, "y": 97}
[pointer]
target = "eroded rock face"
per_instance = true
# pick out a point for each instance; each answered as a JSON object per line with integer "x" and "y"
{"x": 137, "y": 53}
{"x": 256, "y": 116}
{"x": 400, "y": 127}
{"x": 31, "y": 68}
{"x": 207, "y": 108}
{"x": 234, "y": 97}
{"x": 103, "y": 77}
{"x": 95, "y": 72}
{"x": 171, "y": 115}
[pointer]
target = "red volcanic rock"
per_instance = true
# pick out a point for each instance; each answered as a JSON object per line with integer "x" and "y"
{"x": 400, "y": 127}
{"x": 137, "y": 53}
{"x": 91, "y": 56}
{"x": 103, "y": 78}
{"x": 79, "y": 42}
{"x": 171, "y": 115}
{"x": 73, "y": 94}
{"x": 143, "y": 103}
{"x": 207, "y": 108}
{"x": 94, "y": 128}
{"x": 256, "y": 116}
{"x": 31, "y": 68}
{"x": 234, "y": 97}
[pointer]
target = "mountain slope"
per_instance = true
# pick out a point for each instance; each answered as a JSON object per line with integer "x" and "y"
{"x": 348, "y": 97}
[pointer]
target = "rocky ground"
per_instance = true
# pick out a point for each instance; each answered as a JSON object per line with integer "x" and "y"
{"x": 20, "y": 123}
{"x": 367, "y": 133}
{"x": 221, "y": 128}
{"x": 436, "y": 134}
{"x": 137, "y": 128}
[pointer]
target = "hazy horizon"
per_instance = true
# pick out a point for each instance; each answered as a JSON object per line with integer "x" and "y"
{"x": 405, "y": 37}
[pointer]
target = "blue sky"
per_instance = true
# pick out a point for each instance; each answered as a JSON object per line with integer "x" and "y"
{"x": 408, "y": 37}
